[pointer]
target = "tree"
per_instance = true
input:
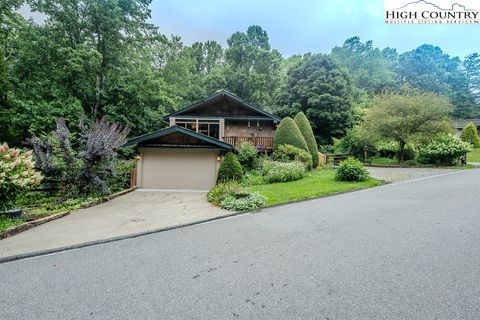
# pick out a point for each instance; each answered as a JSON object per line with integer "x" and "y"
{"x": 406, "y": 117}
{"x": 306, "y": 129}
{"x": 469, "y": 134}
{"x": 288, "y": 133}
{"x": 371, "y": 69}
{"x": 252, "y": 66}
{"x": 429, "y": 68}
{"x": 317, "y": 86}
{"x": 472, "y": 69}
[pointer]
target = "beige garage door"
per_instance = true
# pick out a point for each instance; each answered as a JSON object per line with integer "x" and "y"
{"x": 178, "y": 169}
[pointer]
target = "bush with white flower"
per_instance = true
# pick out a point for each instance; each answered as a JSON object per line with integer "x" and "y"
{"x": 275, "y": 171}
{"x": 17, "y": 174}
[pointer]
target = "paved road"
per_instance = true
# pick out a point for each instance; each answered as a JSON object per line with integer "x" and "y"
{"x": 408, "y": 250}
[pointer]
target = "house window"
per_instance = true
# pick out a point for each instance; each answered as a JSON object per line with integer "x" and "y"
{"x": 207, "y": 127}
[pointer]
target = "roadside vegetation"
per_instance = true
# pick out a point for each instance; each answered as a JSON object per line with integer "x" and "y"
{"x": 247, "y": 181}
{"x": 68, "y": 172}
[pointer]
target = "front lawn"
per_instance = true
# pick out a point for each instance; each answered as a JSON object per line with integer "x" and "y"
{"x": 474, "y": 155}
{"x": 316, "y": 183}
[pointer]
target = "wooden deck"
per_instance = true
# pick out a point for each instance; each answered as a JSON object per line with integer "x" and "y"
{"x": 261, "y": 143}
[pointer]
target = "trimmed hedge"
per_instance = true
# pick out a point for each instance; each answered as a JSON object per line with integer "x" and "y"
{"x": 306, "y": 129}
{"x": 470, "y": 135}
{"x": 288, "y": 133}
{"x": 230, "y": 169}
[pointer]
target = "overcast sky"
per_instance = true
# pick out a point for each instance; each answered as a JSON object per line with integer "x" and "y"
{"x": 299, "y": 26}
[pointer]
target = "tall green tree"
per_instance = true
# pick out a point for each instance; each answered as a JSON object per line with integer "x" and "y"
{"x": 318, "y": 87}
{"x": 252, "y": 66}
{"x": 429, "y": 68}
{"x": 371, "y": 69}
{"x": 406, "y": 117}
{"x": 472, "y": 69}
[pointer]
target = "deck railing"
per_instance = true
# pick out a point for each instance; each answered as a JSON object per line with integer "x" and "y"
{"x": 261, "y": 143}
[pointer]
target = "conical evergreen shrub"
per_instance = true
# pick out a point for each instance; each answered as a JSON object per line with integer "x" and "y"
{"x": 230, "y": 169}
{"x": 470, "y": 135}
{"x": 306, "y": 129}
{"x": 288, "y": 133}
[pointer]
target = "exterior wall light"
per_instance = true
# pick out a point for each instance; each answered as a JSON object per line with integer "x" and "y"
{"x": 138, "y": 157}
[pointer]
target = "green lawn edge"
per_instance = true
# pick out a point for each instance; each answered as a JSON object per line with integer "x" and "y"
{"x": 317, "y": 183}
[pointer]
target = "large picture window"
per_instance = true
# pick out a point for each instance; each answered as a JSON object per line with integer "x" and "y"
{"x": 209, "y": 128}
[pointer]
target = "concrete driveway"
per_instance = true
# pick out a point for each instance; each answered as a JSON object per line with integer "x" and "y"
{"x": 135, "y": 212}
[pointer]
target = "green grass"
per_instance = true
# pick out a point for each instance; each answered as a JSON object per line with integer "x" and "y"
{"x": 473, "y": 156}
{"x": 317, "y": 183}
{"x": 6, "y": 223}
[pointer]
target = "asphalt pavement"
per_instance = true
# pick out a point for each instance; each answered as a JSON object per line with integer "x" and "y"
{"x": 408, "y": 250}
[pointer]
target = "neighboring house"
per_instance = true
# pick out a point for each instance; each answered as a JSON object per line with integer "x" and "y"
{"x": 187, "y": 155}
{"x": 460, "y": 124}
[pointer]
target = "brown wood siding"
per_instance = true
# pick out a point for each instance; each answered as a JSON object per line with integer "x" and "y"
{"x": 241, "y": 129}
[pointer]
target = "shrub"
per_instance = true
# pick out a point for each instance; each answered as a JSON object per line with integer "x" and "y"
{"x": 275, "y": 171}
{"x": 306, "y": 129}
{"x": 470, "y": 135}
{"x": 287, "y": 153}
{"x": 245, "y": 202}
{"x": 247, "y": 156}
{"x": 288, "y": 133}
{"x": 17, "y": 174}
{"x": 222, "y": 190}
{"x": 444, "y": 150}
{"x": 230, "y": 169}
{"x": 252, "y": 179}
{"x": 85, "y": 166}
{"x": 351, "y": 170}
{"x": 121, "y": 179}
{"x": 387, "y": 149}
{"x": 391, "y": 149}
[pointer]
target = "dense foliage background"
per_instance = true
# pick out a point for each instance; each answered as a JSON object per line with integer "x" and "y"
{"x": 102, "y": 58}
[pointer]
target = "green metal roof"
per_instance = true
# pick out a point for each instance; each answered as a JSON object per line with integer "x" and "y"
{"x": 174, "y": 129}
{"x": 216, "y": 95}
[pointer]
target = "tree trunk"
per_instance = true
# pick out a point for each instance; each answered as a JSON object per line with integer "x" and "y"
{"x": 97, "y": 95}
{"x": 402, "y": 151}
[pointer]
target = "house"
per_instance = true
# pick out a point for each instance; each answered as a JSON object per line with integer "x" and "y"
{"x": 187, "y": 155}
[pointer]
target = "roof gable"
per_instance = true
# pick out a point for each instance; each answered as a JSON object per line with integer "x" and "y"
{"x": 177, "y": 137}
{"x": 222, "y": 104}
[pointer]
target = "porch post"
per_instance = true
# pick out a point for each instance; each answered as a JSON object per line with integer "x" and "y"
{"x": 222, "y": 129}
